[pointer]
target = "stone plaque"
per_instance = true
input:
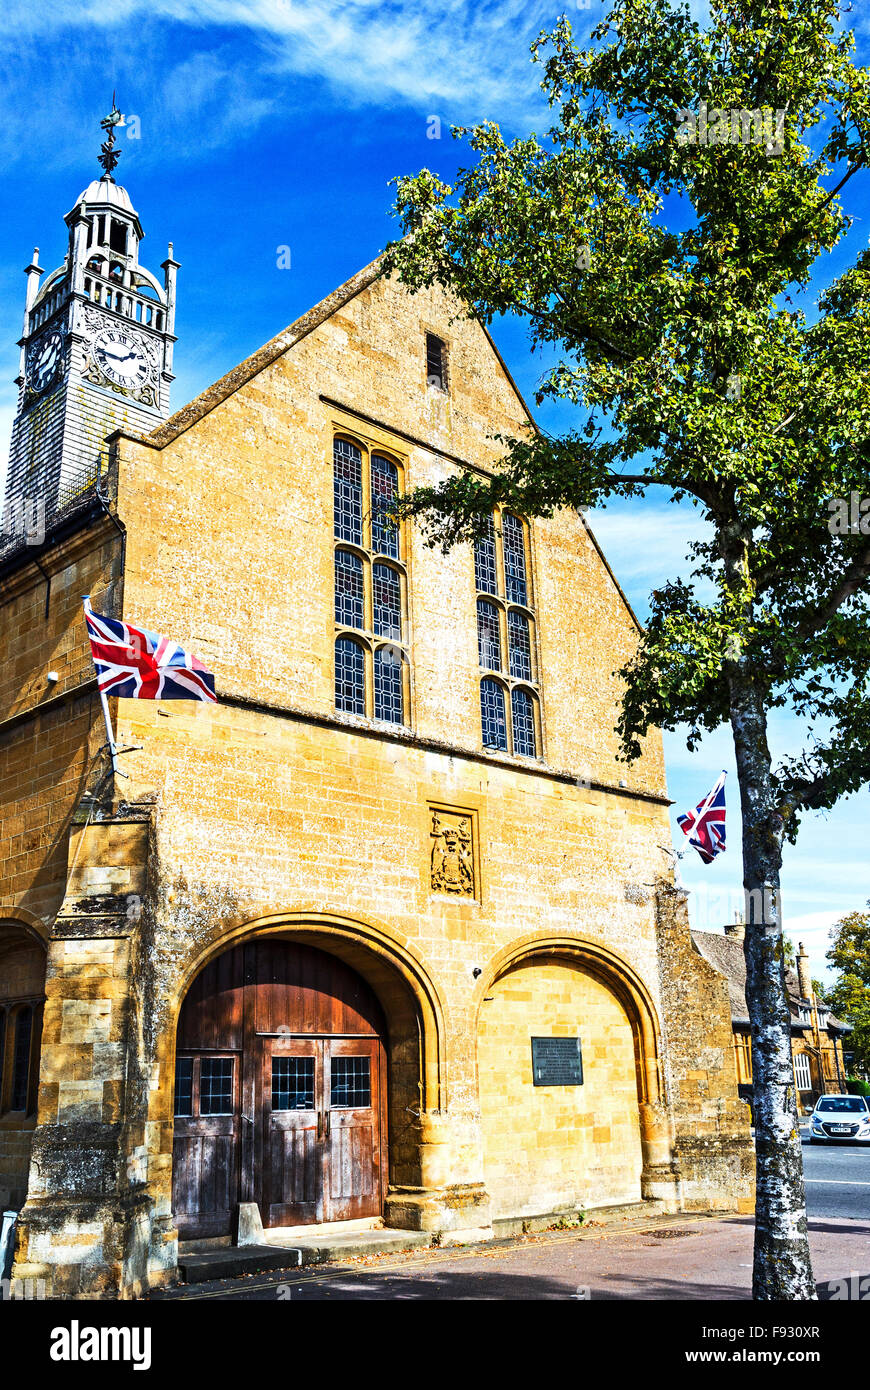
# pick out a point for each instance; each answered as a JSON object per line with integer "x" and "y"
{"x": 556, "y": 1062}
{"x": 452, "y": 853}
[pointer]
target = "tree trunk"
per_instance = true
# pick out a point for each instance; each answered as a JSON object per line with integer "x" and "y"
{"x": 782, "y": 1269}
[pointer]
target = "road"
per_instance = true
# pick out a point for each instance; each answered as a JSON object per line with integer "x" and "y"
{"x": 837, "y": 1179}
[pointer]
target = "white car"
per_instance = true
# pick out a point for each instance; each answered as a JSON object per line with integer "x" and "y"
{"x": 839, "y": 1118}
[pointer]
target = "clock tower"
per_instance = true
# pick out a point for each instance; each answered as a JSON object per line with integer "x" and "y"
{"x": 96, "y": 351}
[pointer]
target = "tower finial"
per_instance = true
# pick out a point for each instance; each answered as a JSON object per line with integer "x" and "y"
{"x": 109, "y": 156}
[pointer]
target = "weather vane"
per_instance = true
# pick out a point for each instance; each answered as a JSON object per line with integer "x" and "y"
{"x": 109, "y": 156}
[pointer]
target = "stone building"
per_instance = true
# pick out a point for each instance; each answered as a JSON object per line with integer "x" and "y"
{"x": 816, "y": 1034}
{"x": 385, "y": 935}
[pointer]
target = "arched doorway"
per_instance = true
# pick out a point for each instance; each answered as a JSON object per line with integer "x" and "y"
{"x": 560, "y": 1086}
{"x": 22, "y": 996}
{"x": 280, "y": 1091}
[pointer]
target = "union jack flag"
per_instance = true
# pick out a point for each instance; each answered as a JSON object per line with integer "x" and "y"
{"x": 142, "y": 665}
{"x": 705, "y": 826}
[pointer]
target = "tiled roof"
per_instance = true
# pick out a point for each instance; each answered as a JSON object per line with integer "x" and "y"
{"x": 725, "y": 954}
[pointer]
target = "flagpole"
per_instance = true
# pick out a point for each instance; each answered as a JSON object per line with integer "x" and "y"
{"x": 113, "y": 750}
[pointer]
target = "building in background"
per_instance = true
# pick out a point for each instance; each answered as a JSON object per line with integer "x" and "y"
{"x": 816, "y": 1035}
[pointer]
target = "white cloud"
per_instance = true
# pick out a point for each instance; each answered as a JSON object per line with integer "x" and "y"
{"x": 469, "y": 59}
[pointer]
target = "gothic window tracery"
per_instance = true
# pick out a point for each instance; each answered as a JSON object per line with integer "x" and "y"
{"x": 488, "y": 635}
{"x": 350, "y": 679}
{"x": 385, "y": 490}
{"x": 509, "y": 706}
{"x": 485, "y": 571}
{"x": 492, "y": 714}
{"x": 348, "y": 589}
{"x": 372, "y": 674}
{"x": 387, "y": 596}
{"x": 347, "y": 473}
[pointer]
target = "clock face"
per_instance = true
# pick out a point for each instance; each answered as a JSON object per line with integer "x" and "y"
{"x": 121, "y": 359}
{"x": 45, "y": 361}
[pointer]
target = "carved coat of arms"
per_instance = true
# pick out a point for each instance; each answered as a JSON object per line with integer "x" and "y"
{"x": 452, "y": 854}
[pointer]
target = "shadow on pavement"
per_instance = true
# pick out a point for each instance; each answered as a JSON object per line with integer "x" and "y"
{"x": 454, "y": 1287}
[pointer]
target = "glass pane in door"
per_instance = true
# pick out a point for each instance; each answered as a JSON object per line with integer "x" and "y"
{"x": 350, "y": 1083}
{"x": 292, "y": 1083}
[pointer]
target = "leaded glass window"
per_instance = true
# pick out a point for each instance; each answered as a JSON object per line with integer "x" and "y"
{"x": 347, "y": 489}
{"x": 387, "y": 595}
{"x": 519, "y": 646}
{"x": 513, "y": 542}
{"x": 388, "y": 685}
{"x": 385, "y": 490}
{"x": 292, "y": 1083}
{"x": 508, "y": 713}
{"x": 488, "y": 635}
{"x": 350, "y": 676}
{"x": 216, "y": 1086}
{"x": 350, "y": 1085}
{"x": 370, "y": 593}
{"x": 184, "y": 1086}
{"x": 484, "y": 561}
{"x": 21, "y": 1058}
{"x": 492, "y": 714}
{"x": 523, "y": 722}
{"x": 348, "y": 589}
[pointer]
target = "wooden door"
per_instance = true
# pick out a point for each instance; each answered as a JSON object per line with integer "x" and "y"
{"x": 280, "y": 1091}
{"x": 291, "y": 1110}
{"x": 205, "y": 1153}
{"x": 352, "y": 1121}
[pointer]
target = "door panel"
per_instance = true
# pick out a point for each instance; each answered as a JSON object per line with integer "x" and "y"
{"x": 291, "y": 1089}
{"x": 353, "y": 1128}
{"x": 294, "y": 1123}
{"x": 205, "y": 1155}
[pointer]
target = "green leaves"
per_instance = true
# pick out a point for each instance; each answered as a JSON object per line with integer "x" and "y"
{"x": 850, "y": 997}
{"x": 670, "y": 273}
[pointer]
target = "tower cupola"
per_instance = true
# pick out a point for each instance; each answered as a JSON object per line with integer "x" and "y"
{"x": 96, "y": 350}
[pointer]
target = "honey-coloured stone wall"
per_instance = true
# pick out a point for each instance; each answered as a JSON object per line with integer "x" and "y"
{"x": 552, "y": 1148}
{"x": 272, "y": 813}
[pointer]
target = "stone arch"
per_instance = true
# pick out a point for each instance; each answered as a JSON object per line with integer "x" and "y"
{"x": 624, "y": 984}
{"x": 23, "y": 959}
{"x": 382, "y": 957}
{"x": 620, "y": 977}
{"x": 32, "y": 925}
{"x": 408, "y": 998}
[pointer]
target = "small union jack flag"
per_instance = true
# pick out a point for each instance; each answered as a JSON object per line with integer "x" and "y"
{"x": 142, "y": 665}
{"x": 705, "y": 826}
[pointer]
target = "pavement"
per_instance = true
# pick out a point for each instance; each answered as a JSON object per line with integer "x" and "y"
{"x": 663, "y": 1258}
{"x": 670, "y": 1258}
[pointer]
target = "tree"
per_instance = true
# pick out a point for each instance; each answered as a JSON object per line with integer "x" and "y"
{"x": 850, "y": 996}
{"x": 661, "y": 238}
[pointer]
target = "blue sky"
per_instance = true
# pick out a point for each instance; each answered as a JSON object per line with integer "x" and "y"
{"x": 274, "y": 123}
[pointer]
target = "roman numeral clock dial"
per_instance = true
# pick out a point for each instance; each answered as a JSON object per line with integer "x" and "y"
{"x": 45, "y": 359}
{"x": 121, "y": 360}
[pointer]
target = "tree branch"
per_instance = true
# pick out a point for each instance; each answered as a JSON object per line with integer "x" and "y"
{"x": 851, "y": 582}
